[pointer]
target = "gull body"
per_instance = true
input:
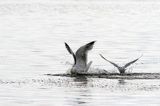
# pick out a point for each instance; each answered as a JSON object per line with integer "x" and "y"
{"x": 80, "y": 58}
{"x": 121, "y": 69}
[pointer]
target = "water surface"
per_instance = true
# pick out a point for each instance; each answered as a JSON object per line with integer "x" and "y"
{"x": 32, "y": 36}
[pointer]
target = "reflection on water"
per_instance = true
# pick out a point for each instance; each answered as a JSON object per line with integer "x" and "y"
{"x": 82, "y": 95}
{"x": 81, "y": 80}
{"x": 79, "y": 91}
{"x": 121, "y": 82}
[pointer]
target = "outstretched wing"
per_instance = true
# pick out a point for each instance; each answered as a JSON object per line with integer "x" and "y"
{"x": 128, "y": 64}
{"x": 71, "y": 52}
{"x": 81, "y": 53}
{"x": 86, "y": 47}
{"x": 89, "y": 46}
{"x": 110, "y": 61}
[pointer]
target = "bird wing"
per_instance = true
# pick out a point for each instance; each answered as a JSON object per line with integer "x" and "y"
{"x": 85, "y": 47}
{"x": 128, "y": 64}
{"x": 81, "y": 53}
{"x": 110, "y": 62}
{"x": 70, "y": 51}
{"x": 89, "y": 46}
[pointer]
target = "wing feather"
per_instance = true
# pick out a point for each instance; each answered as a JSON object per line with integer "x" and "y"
{"x": 110, "y": 61}
{"x": 70, "y": 51}
{"x": 128, "y": 64}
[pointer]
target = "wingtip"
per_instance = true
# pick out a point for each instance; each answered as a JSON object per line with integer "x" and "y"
{"x": 141, "y": 56}
{"x": 93, "y": 41}
{"x": 67, "y": 46}
{"x": 100, "y": 54}
{"x": 65, "y": 43}
{"x": 103, "y": 57}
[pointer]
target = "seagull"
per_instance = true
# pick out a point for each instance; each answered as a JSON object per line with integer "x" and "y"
{"x": 80, "y": 65}
{"x": 121, "y": 69}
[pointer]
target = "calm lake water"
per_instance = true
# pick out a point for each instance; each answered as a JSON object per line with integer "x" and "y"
{"x": 32, "y": 36}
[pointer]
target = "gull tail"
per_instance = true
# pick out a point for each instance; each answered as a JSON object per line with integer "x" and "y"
{"x": 70, "y": 51}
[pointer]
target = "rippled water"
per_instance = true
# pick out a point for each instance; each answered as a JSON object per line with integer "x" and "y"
{"x": 32, "y": 36}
